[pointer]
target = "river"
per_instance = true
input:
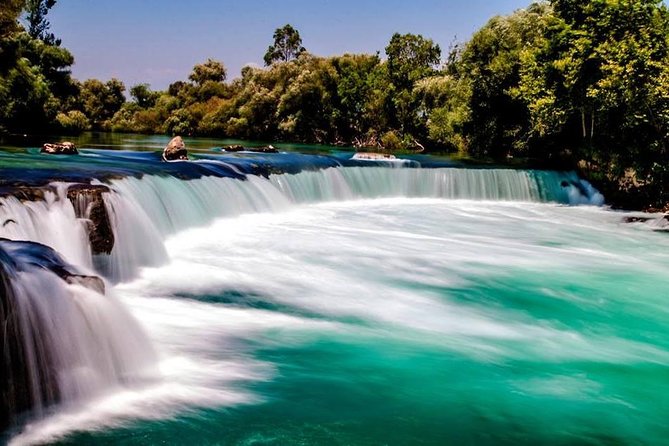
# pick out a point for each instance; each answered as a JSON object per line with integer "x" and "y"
{"x": 373, "y": 305}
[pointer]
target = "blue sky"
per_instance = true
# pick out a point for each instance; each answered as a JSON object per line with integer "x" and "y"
{"x": 159, "y": 41}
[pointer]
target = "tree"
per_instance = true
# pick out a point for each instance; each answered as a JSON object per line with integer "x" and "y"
{"x": 444, "y": 99}
{"x": 492, "y": 62}
{"x": 212, "y": 70}
{"x": 143, "y": 96}
{"x": 287, "y": 46}
{"x": 306, "y": 107}
{"x": 411, "y": 57}
{"x": 38, "y": 25}
{"x": 10, "y": 10}
{"x": 102, "y": 100}
{"x": 35, "y": 83}
{"x": 355, "y": 84}
{"x": 598, "y": 89}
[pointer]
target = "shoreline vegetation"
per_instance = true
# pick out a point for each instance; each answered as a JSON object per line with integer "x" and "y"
{"x": 561, "y": 84}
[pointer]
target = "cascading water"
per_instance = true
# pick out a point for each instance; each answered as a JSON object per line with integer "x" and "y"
{"x": 145, "y": 211}
{"x": 99, "y": 347}
{"x": 61, "y": 341}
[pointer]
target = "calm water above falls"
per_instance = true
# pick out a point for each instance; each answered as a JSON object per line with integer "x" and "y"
{"x": 371, "y": 306}
{"x": 399, "y": 321}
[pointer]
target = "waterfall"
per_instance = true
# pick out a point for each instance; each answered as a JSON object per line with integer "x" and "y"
{"x": 144, "y": 211}
{"x": 61, "y": 342}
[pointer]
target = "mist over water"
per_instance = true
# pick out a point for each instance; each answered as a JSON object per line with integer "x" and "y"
{"x": 316, "y": 309}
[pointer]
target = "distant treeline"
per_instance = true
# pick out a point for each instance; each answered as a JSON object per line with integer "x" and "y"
{"x": 576, "y": 83}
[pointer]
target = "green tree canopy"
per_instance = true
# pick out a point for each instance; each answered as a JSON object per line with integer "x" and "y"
{"x": 491, "y": 62}
{"x": 411, "y": 57}
{"x": 100, "y": 101}
{"x": 212, "y": 70}
{"x": 287, "y": 46}
{"x": 143, "y": 96}
{"x": 38, "y": 25}
{"x": 10, "y": 10}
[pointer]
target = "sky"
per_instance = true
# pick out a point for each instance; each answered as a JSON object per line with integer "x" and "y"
{"x": 159, "y": 41}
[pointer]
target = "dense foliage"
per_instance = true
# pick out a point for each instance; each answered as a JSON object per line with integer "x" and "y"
{"x": 564, "y": 82}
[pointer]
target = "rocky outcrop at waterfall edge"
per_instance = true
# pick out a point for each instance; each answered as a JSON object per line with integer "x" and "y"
{"x": 88, "y": 203}
{"x": 28, "y": 376}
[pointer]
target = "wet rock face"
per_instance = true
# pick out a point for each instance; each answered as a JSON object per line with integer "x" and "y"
{"x": 175, "y": 150}
{"x": 91, "y": 282}
{"x": 89, "y": 204}
{"x": 28, "y": 372}
{"x": 63, "y": 148}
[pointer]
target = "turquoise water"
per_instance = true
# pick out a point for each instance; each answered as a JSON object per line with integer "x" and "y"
{"x": 397, "y": 321}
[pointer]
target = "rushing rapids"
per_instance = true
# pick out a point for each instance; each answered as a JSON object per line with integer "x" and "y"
{"x": 74, "y": 344}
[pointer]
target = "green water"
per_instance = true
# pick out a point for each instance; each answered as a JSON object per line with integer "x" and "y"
{"x": 400, "y": 321}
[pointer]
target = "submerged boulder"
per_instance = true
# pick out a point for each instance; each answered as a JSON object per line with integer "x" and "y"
{"x": 175, "y": 150}
{"x": 29, "y": 375}
{"x": 63, "y": 148}
{"x": 22, "y": 255}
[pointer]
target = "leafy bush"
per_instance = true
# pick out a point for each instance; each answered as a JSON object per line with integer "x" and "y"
{"x": 73, "y": 122}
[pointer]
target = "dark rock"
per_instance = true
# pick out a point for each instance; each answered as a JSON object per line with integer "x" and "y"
{"x": 265, "y": 149}
{"x": 63, "y": 148}
{"x": 635, "y": 219}
{"x": 175, "y": 150}
{"x": 24, "y": 193}
{"x": 91, "y": 282}
{"x": 234, "y": 148}
{"x": 89, "y": 204}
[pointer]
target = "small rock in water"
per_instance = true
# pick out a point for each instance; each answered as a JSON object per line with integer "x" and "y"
{"x": 175, "y": 150}
{"x": 234, "y": 148}
{"x": 636, "y": 219}
{"x": 266, "y": 149}
{"x": 63, "y": 148}
{"x": 91, "y": 282}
